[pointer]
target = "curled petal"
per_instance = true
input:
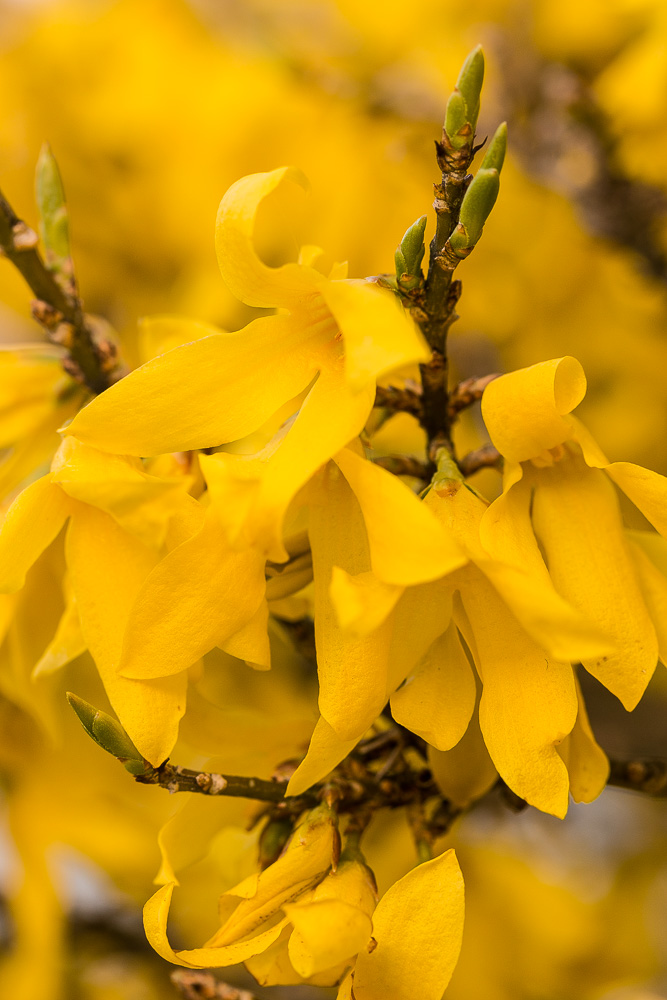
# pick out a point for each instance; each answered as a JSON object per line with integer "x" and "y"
{"x": 29, "y": 527}
{"x": 244, "y": 273}
{"x": 325, "y": 752}
{"x": 525, "y": 411}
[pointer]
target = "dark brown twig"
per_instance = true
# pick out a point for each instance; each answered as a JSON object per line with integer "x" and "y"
{"x": 647, "y": 775}
{"x": 405, "y": 465}
{"x": 468, "y": 392}
{"x": 91, "y": 356}
{"x": 486, "y": 457}
{"x": 405, "y": 400}
{"x": 194, "y": 984}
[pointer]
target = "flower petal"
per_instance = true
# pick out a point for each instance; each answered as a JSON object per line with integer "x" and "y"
{"x": 325, "y": 752}
{"x": 529, "y": 702}
{"x": 362, "y": 602}
{"x": 196, "y": 598}
{"x": 418, "y": 926}
{"x": 585, "y": 760}
{"x": 107, "y": 568}
{"x": 646, "y": 489}
{"x": 244, "y": 273}
{"x": 578, "y": 523}
{"x": 377, "y": 331}
{"x": 436, "y": 702}
{"x": 525, "y": 411}
{"x": 30, "y": 525}
{"x": 217, "y": 389}
{"x": 466, "y": 772}
{"x": 407, "y": 543}
{"x": 352, "y": 670}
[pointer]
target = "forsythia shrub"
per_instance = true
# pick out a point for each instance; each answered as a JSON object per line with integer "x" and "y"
{"x": 284, "y": 556}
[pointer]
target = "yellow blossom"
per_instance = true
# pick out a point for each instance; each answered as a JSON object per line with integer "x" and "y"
{"x": 559, "y": 492}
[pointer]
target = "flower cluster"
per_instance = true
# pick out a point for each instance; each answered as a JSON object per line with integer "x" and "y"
{"x": 228, "y": 480}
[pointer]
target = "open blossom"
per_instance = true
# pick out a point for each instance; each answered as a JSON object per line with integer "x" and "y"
{"x": 559, "y": 492}
{"x": 309, "y": 917}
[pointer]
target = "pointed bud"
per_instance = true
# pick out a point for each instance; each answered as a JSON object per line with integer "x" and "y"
{"x": 108, "y": 734}
{"x": 495, "y": 154}
{"x": 410, "y": 253}
{"x": 475, "y": 209}
{"x": 469, "y": 83}
{"x": 457, "y": 127}
{"x": 54, "y": 223}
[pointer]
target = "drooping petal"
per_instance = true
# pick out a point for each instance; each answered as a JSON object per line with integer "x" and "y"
{"x": 529, "y": 703}
{"x": 378, "y": 333}
{"x": 525, "y": 412}
{"x": 407, "y": 543}
{"x": 217, "y": 389}
{"x": 501, "y": 542}
{"x": 362, "y": 602}
{"x": 649, "y": 554}
{"x": 107, "y": 568}
{"x": 421, "y": 615}
{"x": 196, "y": 598}
{"x": 156, "y": 914}
{"x": 30, "y": 525}
{"x": 352, "y": 670}
{"x": 585, "y": 760}
{"x": 436, "y": 702}
{"x": 418, "y": 926}
{"x": 466, "y": 772}
{"x": 251, "y": 642}
{"x": 578, "y": 522}
{"x": 325, "y": 752}
{"x": 243, "y": 272}
{"x": 646, "y": 489}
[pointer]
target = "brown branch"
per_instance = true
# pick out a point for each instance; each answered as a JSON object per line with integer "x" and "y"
{"x": 405, "y": 400}
{"x": 196, "y": 985}
{"x": 405, "y": 465}
{"x": 486, "y": 457}
{"x": 468, "y": 392}
{"x": 91, "y": 356}
{"x": 647, "y": 775}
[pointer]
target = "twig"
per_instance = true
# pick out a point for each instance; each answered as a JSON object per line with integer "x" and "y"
{"x": 405, "y": 400}
{"x": 468, "y": 392}
{"x": 405, "y": 465}
{"x": 647, "y": 775}
{"x": 196, "y": 985}
{"x": 486, "y": 457}
{"x": 91, "y": 357}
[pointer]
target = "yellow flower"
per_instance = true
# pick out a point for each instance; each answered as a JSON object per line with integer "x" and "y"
{"x": 559, "y": 492}
{"x": 406, "y": 643}
{"x": 121, "y": 518}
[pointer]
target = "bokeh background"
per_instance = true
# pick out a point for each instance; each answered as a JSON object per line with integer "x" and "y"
{"x": 152, "y": 108}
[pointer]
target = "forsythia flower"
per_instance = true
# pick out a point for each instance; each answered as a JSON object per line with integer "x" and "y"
{"x": 307, "y": 919}
{"x": 559, "y": 492}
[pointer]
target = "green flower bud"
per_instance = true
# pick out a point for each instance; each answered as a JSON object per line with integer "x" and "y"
{"x": 495, "y": 153}
{"x": 54, "y": 222}
{"x": 469, "y": 84}
{"x": 108, "y": 734}
{"x": 410, "y": 253}
{"x": 475, "y": 209}
{"x": 457, "y": 126}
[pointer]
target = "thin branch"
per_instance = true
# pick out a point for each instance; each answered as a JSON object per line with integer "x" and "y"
{"x": 405, "y": 465}
{"x": 486, "y": 457}
{"x": 647, "y": 775}
{"x": 405, "y": 400}
{"x": 91, "y": 356}
{"x": 468, "y": 392}
{"x": 194, "y": 984}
